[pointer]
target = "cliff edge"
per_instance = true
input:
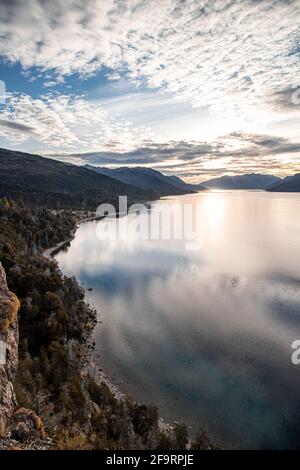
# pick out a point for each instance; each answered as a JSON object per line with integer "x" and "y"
{"x": 16, "y": 424}
{"x": 9, "y": 306}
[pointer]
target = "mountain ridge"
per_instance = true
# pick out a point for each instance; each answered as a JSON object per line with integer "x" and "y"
{"x": 55, "y": 184}
{"x": 148, "y": 179}
{"x": 290, "y": 184}
{"x": 246, "y": 181}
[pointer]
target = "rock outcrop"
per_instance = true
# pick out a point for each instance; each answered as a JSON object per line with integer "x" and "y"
{"x": 9, "y": 306}
{"x": 16, "y": 424}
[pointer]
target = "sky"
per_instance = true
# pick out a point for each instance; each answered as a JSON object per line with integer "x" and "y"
{"x": 196, "y": 88}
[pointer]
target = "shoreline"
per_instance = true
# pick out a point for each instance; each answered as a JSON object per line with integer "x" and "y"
{"x": 50, "y": 252}
{"x": 90, "y": 366}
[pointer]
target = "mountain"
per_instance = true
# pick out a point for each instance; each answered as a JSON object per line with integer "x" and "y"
{"x": 179, "y": 183}
{"x": 54, "y": 184}
{"x": 249, "y": 181}
{"x": 289, "y": 184}
{"x": 147, "y": 179}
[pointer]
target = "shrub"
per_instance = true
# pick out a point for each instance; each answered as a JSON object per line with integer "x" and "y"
{"x": 181, "y": 436}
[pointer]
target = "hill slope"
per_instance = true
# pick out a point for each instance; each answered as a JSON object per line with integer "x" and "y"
{"x": 179, "y": 183}
{"x": 54, "y": 184}
{"x": 147, "y": 179}
{"x": 248, "y": 181}
{"x": 290, "y": 184}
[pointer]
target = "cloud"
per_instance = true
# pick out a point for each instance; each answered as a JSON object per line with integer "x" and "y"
{"x": 235, "y": 153}
{"x": 285, "y": 100}
{"x": 230, "y": 56}
{"x": 66, "y": 122}
{"x": 17, "y": 126}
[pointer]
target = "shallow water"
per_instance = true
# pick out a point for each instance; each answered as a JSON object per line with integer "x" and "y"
{"x": 204, "y": 333}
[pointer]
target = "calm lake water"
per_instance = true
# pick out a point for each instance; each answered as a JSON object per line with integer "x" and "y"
{"x": 204, "y": 333}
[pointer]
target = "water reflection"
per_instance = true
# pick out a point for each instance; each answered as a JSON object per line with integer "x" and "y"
{"x": 205, "y": 334}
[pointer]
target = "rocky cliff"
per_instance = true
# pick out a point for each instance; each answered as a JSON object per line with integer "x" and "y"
{"x": 9, "y": 306}
{"x": 17, "y": 425}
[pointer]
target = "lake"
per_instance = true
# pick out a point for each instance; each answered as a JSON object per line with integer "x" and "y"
{"x": 204, "y": 329}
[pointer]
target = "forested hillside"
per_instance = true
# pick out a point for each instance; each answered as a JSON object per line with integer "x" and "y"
{"x": 49, "y": 183}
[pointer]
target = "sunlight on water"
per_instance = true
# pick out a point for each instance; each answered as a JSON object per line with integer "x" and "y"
{"x": 205, "y": 334}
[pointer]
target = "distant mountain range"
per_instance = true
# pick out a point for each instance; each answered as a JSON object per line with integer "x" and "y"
{"x": 44, "y": 181}
{"x": 54, "y": 184}
{"x": 287, "y": 185}
{"x": 248, "y": 181}
{"x": 148, "y": 179}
